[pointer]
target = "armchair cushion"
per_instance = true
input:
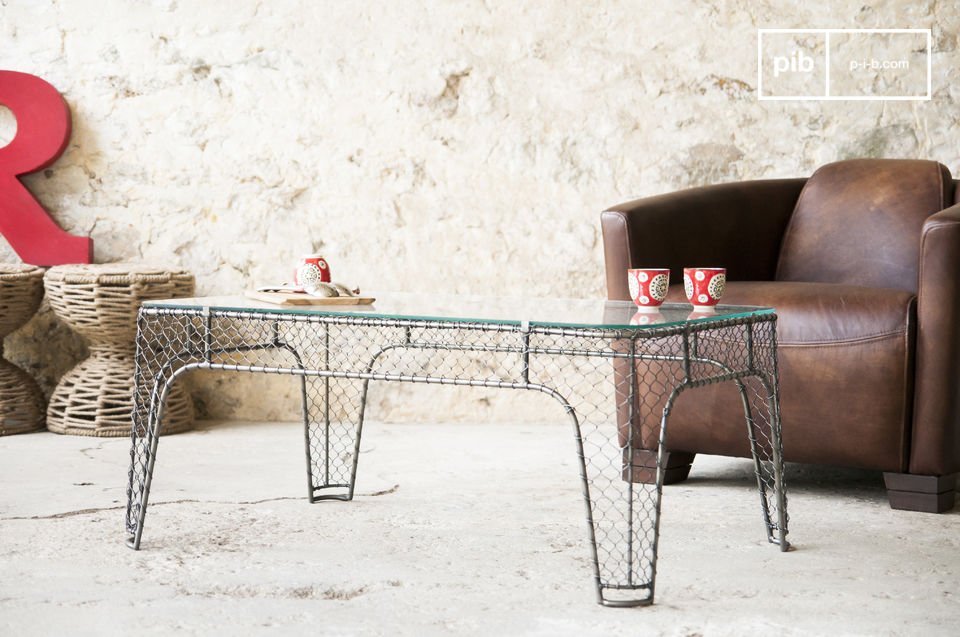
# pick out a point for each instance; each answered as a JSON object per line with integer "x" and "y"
{"x": 841, "y": 348}
{"x": 859, "y": 222}
{"x": 739, "y": 225}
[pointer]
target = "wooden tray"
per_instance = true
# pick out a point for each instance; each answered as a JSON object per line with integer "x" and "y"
{"x": 299, "y": 298}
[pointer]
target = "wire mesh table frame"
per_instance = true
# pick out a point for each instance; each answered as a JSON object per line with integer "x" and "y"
{"x": 334, "y": 358}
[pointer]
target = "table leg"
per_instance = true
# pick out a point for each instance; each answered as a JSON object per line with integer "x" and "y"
{"x": 333, "y": 418}
{"x": 621, "y": 515}
{"x": 762, "y": 415}
{"x": 760, "y": 394}
{"x": 331, "y": 407}
{"x": 148, "y": 416}
{"x": 165, "y": 349}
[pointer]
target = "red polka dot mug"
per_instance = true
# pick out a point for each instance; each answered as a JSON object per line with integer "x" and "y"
{"x": 704, "y": 287}
{"x": 311, "y": 269}
{"x": 648, "y": 287}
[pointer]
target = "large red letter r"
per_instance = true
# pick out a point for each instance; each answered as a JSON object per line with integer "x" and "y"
{"x": 43, "y": 130}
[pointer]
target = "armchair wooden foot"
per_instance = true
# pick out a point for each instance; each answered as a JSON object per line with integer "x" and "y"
{"x": 929, "y": 494}
{"x": 643, "y": 466}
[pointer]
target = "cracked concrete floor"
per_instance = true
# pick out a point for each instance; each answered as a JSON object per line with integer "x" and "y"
{"x": 456, "y": 529}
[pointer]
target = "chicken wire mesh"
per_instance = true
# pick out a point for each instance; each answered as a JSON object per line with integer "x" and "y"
{"x": 617, "y": 388}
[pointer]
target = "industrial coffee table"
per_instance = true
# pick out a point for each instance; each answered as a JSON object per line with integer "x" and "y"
{"x": 614, "y": 373}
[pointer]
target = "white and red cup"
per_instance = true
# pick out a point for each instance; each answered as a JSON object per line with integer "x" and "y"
{"x": 311, "y": 269}
{"x": 648, "y": 287}
{"x": 704, "y": 287}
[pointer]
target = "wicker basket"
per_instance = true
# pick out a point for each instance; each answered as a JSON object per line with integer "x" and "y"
{"x": 21, "y": 402}
{"x": 95, "y": 398}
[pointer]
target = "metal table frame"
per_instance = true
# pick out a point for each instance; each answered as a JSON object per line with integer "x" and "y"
{"x": 334, "y": 357}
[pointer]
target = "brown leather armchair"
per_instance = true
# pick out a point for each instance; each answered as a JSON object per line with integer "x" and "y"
{"x": 862, "y": 263}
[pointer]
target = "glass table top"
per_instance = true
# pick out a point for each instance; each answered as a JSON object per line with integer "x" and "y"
{"x": 582, "y": 313}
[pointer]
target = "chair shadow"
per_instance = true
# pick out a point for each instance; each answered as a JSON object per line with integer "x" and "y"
{"x": 814, "y": 480}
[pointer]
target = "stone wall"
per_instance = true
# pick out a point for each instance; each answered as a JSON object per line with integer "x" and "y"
{"x": 461, "y": 147}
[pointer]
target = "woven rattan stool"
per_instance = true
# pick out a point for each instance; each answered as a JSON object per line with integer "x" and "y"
{"x": 21, "y": 402}
{"x": 95, "y": 398}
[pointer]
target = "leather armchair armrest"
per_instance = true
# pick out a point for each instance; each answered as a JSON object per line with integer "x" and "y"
{"x": 738, "y": 226}
{"x": 935, "y": 444}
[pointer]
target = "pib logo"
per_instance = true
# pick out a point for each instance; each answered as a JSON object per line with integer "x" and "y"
{"x": 844, "y": 64}
{"x": 791, "y": 63}
{"x": 796, "y": 62}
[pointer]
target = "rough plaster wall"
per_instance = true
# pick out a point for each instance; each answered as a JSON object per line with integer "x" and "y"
{"x": 466, "y": 147}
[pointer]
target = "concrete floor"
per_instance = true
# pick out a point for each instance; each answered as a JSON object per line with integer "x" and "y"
{"x": 457, "y": 529}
